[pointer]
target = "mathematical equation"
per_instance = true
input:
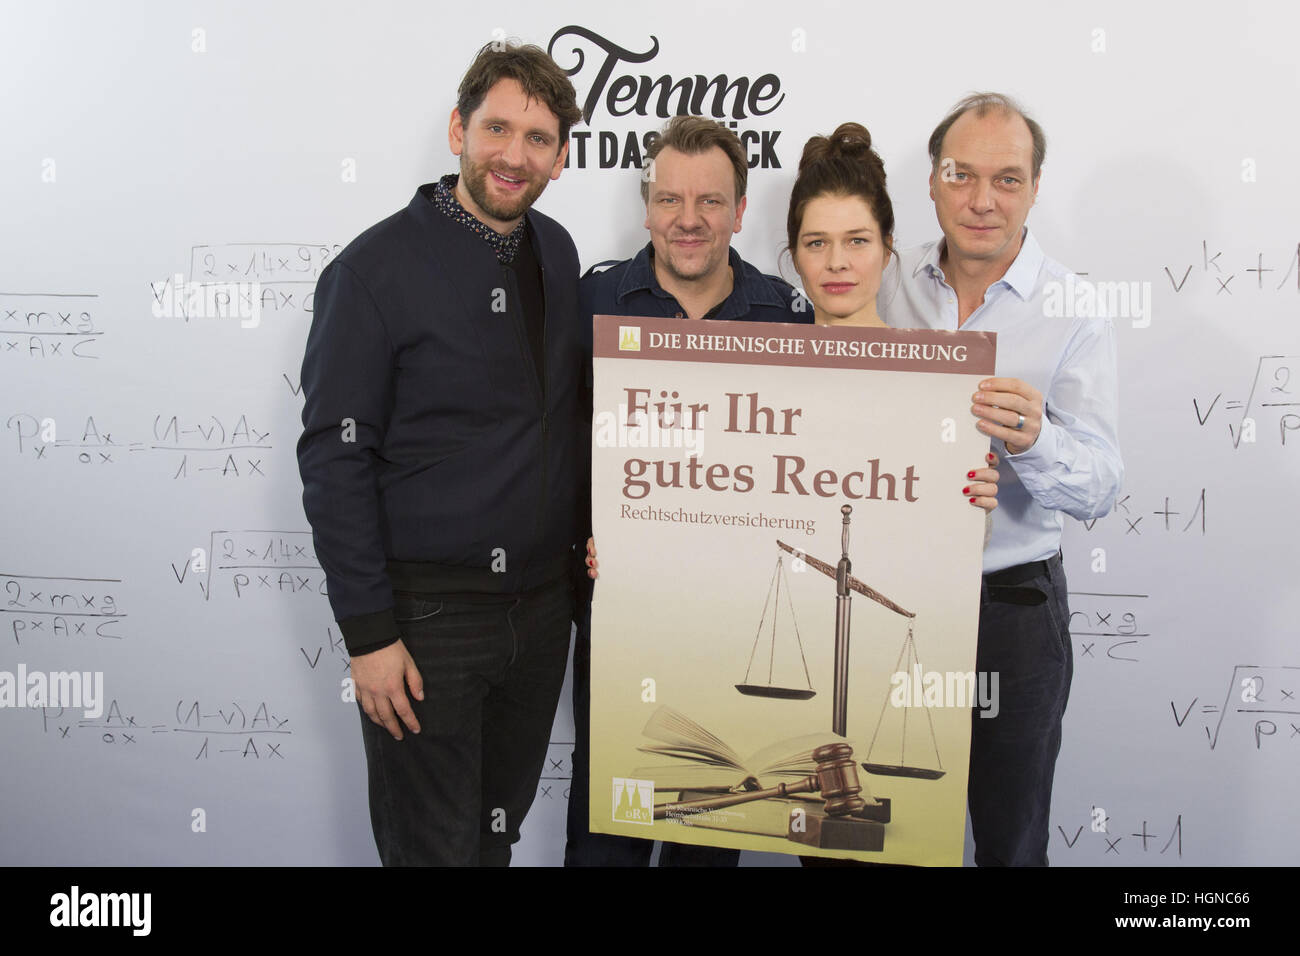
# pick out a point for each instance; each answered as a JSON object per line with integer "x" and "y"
{"x": 229, "y": 729}
{"x": 1213, "y": 276}
{"x": 48, "y": 325}
{"x": 1106, "y": 625}
{"x": 253, "y": 563}
{"x": 265, "y": 262}
{"x": 1106, "y": 838}
{"x": 557, "y": 771}
{"x": 224, "y": 448}
{"x": 243, "y": 280}
{"x": 1190, "y": 516}
{"x": 332, "y": 649}
{"x": 1260, "y": 710}
{"x": 39, "y": 606}
{"x": 1264, "y": 411}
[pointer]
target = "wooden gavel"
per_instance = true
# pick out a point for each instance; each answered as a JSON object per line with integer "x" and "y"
{"x": 836, "y": 779}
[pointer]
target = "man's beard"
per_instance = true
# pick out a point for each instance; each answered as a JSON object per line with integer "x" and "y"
{"x": 474, "y": 176}
{"x": 704, "y": 270}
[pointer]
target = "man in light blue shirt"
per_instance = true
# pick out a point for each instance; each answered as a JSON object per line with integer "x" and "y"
{"x": 1051, "y": 415}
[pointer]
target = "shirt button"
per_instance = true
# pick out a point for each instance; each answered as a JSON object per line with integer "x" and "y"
{"x": 680, "y": 316}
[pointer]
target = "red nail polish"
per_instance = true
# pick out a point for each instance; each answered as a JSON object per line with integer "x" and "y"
{"x": 965, "y": 491}
{"x": 970, "y": 474}
{"x": 989, "y": 456}
{"x": 972, "y": 501}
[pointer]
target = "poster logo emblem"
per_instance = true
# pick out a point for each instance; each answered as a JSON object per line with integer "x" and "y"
{"x": 634, "y": 800}
{"x": 629, "y": 338}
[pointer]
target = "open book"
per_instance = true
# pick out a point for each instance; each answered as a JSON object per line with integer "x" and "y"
{"x": 706, "y": 766}
{"x": 706, "y": 762}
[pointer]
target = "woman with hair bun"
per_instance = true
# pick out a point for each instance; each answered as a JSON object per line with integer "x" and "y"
{"x": 840, "y": 230}
{"x": 840, "y": 226}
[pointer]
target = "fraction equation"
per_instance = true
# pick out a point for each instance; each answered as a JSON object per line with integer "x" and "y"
{"x": 40, "y": 607}
{"x": 1107, "y": 626}
{"x": 229, "y": 447}
{"x": 48, "y": 325}
{"x": 1260, "y": 711}
{"x": 557, "y": 771}
{"x": 254, "y": 563}
{"x": 227, "y": 729}
{"x": 1270, "y": 411}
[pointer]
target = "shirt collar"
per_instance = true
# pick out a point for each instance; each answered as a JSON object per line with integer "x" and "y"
{"x": 749, "y": 286}
{"x": 444, "y": 198}
{"x": 1021, "y": 275}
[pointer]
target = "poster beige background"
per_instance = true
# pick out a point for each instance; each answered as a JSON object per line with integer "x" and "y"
{"x": 678, "y": 602}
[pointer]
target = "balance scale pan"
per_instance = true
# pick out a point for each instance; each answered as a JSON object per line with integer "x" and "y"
{"x": 780, "y": 693}
{"x": 894, "y": 770}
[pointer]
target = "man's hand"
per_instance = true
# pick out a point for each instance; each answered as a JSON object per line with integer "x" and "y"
{"x": 592, "y": 563}
{"x": 999, "y": 405}
{"x": 381, "y": 678}
{"x": 982, "y": 485}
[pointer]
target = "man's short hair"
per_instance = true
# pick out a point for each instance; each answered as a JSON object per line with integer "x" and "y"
{"x": 693, "y": 135}
{"x": 983, "y": 104}
{"x": 532, "y": 68}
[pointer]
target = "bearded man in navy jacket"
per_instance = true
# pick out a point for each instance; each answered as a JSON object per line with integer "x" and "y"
{"x": 440, "y": 464}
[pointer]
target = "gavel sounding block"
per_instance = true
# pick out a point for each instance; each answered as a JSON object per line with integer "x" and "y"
{"x": 770, "y": 817}
{"x": 811, "y": 826}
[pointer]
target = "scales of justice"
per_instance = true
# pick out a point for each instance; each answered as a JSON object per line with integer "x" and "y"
{"x": 845, "y": 585}
{"x": 845, "y": 814}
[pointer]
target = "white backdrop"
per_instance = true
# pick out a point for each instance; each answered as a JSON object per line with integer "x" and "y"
{"x": 147, "y": 141}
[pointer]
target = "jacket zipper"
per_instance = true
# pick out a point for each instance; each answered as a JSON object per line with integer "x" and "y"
{"x": 544, "y": 383}
{"x": 515, "y": 304}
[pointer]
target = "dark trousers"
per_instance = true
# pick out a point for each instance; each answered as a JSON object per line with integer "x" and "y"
{"x": 584, "y": 848}
{"x": 1024, "y": 637}
{"x": 456, "y": 793}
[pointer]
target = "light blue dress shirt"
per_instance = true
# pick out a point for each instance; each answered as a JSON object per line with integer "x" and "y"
{"x": 1074, "y": 467}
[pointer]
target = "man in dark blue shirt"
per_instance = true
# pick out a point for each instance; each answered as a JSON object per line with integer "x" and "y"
{"x": 694, "y": 191}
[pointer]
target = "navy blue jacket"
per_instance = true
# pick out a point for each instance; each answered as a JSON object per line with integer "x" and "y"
{"x": 429, "y": 451}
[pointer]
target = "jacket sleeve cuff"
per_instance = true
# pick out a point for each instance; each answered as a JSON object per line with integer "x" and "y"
{"x": 369, "y": 632}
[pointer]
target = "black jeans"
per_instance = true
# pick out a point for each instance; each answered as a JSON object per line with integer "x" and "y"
{"x": 456, "y": 793}
{"x": 582, "y": 847}
{"x": 1013, "y": 755}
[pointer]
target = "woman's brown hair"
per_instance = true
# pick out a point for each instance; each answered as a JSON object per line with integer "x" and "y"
{"x": 842, "y": 164}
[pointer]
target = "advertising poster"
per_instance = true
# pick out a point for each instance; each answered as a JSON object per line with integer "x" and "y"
{"x": 784, "y": 628}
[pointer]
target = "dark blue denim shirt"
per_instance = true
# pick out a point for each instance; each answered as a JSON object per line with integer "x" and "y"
{"x": 630, "y": 287}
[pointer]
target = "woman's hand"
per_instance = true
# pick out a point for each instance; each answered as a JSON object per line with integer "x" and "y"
{"x": 592, "y": 563}
{"x": 981, "y": 488}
